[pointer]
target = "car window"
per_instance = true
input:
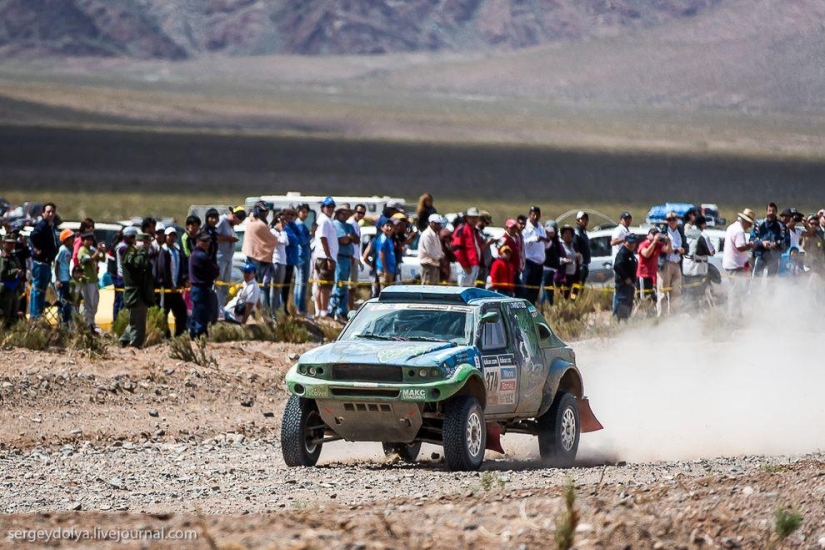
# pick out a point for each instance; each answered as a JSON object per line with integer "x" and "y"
{"x": 525, "y": 339}
{"x": 383, "y": 321}
{"x": 600, "y": 247}
{"x": 493, "y": 335}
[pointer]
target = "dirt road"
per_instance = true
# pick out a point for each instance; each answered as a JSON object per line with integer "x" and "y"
{"x": 138, "y": 441}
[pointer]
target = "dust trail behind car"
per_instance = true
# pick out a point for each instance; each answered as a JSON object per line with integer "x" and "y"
{"x": 705, "y": 385}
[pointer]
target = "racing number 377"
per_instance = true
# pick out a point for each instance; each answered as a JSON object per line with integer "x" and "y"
{"x": 491, "y": 378}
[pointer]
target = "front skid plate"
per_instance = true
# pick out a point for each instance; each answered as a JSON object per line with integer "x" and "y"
{"x": 389, "y": 421}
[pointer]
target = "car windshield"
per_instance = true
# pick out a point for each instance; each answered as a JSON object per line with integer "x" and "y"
{"x": 382, "y": 321}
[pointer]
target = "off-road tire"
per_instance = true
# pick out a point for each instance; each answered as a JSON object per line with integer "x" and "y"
{"x": 559, "y": 431}
{"x": 407, "y": 452}
{"x": 464, "y": 434}
{"x": 299, "y": 416}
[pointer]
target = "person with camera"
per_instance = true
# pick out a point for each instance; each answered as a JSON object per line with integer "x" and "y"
{"x": 770, "y": 240}
{"x": 624, "y": 271}
{"x": 650, "y": 250}
{"x": 672, "y": 265}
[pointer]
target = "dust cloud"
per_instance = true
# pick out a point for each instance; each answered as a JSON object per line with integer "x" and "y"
{"x": 707, "y": 385}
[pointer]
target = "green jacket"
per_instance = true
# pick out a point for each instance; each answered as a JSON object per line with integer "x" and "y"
{"x": 138, "y": 283}
{"x": 8, "y": 274}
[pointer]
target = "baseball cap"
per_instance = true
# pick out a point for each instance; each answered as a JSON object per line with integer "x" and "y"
{"x": 510, "y": 223}
{"x": 672, "y": 216}
{"x": 203, "y": 236}
{"x": 435, "y": 218}
{"x": 160, "y": 226}
{"x": 399, "y": 216}
{"x": 130, "y": 232}
{"x": 240, "y": 212}
{"x": 394, "y": 204}
{"x": 65, "y": 234}
{"x": 472, "y": 212}
{"x": 626, "y": 215}
{"x": 248, "y": 267}
{"x": 631, "y": 238}
{"x": 170, "y": 231}
{"x": 329, "y": 201}
{"x": 653, "y": 229}
{"x": 88, "y": 235}
{"x": 582, "y": 214}
{"x": 535, "y": 208}
{"x": 142, "y": 236}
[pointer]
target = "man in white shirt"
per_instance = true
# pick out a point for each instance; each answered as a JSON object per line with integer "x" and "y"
{"x": 326, "y": 253}
{"x": 430, "y": 252}
{"x": 246, "y": 300}
{"x": 735, "y": 257}
{"x": 535, "y": 238}
{"x": 620, "y": 232}
{"x": 671, "y": 272}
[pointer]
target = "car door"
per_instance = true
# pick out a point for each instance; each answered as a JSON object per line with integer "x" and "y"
{"x": 528, "y": 356}
{"x": 498, "y": 364}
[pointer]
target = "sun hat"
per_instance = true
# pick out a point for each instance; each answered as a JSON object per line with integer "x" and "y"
{"x": 65, "y": 234}
{"x": 486, "y": 216}
{"x": 343, "y": 207}
{"x": 747, "y": 215}
{"x": 472, "y": 212}
{"x": 130, "y": 232}
{"x": 170, "y": 231}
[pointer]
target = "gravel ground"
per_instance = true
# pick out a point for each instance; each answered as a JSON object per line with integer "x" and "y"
{"x": 138, "y": 441}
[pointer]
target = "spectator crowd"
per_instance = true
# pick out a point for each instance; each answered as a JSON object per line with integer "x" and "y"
{"x": 290, "y": 264}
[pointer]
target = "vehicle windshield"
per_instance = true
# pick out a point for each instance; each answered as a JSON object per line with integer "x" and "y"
{"x": 416, "y": 322}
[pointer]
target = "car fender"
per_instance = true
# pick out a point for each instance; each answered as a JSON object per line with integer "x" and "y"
{"x": 564, "y": 376}
{"x": 471, "y": 382}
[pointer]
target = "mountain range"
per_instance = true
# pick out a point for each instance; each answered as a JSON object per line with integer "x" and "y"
{"x": 181, "y": 29}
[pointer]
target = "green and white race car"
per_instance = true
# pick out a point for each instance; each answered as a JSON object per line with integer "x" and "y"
{"x": 456, "y": 367}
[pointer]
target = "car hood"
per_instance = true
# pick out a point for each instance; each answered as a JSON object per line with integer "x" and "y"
{"x": 387, "y": 353}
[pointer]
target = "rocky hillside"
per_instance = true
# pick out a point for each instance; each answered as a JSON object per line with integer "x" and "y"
{"x": 177, "y": 29}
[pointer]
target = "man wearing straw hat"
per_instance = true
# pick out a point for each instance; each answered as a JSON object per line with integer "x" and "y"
{"x": 736, "y": 256}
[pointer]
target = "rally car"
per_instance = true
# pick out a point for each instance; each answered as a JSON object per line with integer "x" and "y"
{"x": 456, "y": 367}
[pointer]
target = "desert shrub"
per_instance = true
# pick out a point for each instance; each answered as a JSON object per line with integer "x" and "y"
{"x": 157, "y": 326}
{"x": 34, "y": 335}
{"x": 578, "y": 318}
{"x": 568, "y": 519}
{"x": 121, "y": 322}
{"x": 80, "y": 338}
{"x": 228, "y": 332}
{"x": 181, "y": 348}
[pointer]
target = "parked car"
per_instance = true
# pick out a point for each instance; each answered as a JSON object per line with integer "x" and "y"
{"x": 456, "y": 367}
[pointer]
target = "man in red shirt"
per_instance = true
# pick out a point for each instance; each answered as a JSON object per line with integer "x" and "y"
{"x": 649, "y": 252}
{"x": 467, "y": 246}
{"x": 501, "y": 272}
{"x": 512, "y": 239}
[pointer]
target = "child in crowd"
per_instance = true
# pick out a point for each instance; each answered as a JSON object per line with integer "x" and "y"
{"x": 62, "y": 273}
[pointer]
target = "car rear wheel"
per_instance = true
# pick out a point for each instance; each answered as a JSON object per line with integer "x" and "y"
{"x": 559, "y": 431}
{"x": 464, "y": 434}
{"x": 301, "y": 429}
{"x": 408, "y": 452}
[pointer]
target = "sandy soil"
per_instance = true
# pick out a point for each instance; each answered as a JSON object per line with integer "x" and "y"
{"x": 138, "y": 441}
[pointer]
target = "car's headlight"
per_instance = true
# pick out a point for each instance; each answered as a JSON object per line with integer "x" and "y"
{"x": 422, "y": 373}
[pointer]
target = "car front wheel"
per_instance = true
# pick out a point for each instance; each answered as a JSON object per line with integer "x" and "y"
{"x": 559, "y": 431}
{"x": 301, "y": 430}
{"x": 407, "y": 452}
{"x": 464, "y": 434}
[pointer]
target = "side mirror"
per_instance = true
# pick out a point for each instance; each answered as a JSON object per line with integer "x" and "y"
{"x": 491, "y": 317}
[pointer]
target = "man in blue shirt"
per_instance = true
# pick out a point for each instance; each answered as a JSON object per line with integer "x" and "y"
{"x": 293, "y": 251}
{"x": 346, "y": 239}
{"x": 771, "y": 240}
{"x": 385, "y": 265}
{"x": 303, "y": 267}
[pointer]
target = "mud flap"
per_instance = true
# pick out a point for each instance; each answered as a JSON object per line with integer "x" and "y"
{"x": 494, "y": 438}
{"x": 589, "y": 421}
